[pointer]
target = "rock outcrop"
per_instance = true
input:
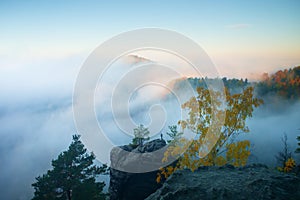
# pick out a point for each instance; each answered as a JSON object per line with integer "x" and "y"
{"x": 126, "y": 185}
{"x": 250, "y": 182}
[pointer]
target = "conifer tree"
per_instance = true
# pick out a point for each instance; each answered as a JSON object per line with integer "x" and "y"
{"x": 73, "y": 176}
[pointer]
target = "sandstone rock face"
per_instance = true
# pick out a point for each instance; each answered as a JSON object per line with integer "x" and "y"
{"x": 250, "y": 182}
{"x": 135, "y": 186}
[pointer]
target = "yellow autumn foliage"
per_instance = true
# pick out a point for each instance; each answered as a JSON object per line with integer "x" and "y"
{"x": 289, "y": 165}
{"x": 237, "y": 153}
{"x": 213, "y": 123}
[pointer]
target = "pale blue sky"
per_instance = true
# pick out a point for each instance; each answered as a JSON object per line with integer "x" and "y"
{"x": 238, "y": 35}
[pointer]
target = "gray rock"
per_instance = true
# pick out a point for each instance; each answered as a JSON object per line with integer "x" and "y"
{"x": 135, "y": 186}
{"x": 250, "y": 182}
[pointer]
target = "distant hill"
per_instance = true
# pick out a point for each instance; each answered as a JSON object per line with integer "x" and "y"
{"x": 234, "y": 85}
{"x": 284, "y": 83}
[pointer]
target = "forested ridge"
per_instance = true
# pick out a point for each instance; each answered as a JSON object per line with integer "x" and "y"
{"x": 283, "y": 83}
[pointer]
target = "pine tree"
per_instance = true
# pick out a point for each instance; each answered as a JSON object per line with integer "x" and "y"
{"x": 73, "y": 176}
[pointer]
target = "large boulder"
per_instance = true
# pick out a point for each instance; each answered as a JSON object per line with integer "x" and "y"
{"x": 127, "y": 159}
{"x": 250, "y": 182}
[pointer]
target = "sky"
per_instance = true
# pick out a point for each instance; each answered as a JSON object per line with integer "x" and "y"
{"x": 43, "y": 45}
{"x": 241, "y": 37}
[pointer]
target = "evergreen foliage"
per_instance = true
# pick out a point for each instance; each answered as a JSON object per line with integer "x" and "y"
{"x": 73, "y": 176}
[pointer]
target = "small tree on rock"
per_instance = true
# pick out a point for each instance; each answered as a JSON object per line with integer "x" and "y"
{"x": 141, "y": 134}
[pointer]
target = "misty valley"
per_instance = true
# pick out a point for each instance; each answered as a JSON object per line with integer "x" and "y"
{"x": 258, "y": 136}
